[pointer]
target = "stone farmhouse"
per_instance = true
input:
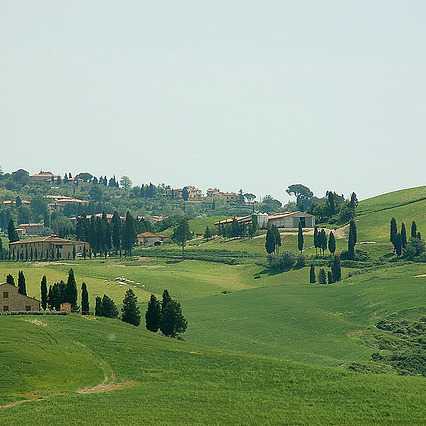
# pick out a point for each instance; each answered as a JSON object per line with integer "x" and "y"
{"x": 229, "y": 196}
{"x": 58, "y": 202}
{"x": 43, "y": 177}
{"x": 51, "y": 247}
{"x": 148, "y": 239}
{"x": 280, "y": 220}
{"x": 11, "y": 300}
{"x": 30, "y": 229}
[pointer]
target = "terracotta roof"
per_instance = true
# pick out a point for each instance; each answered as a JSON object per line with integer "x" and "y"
{"x": 231, "y": 219}
{"x": 286, "y": 214}
{"x": 150, "y": 235}
{"x": 50, "y": 238}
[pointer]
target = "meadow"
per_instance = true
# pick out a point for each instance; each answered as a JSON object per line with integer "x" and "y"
{"x": 260, "y": 347}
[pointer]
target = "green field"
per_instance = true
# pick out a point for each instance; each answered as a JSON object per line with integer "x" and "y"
{"x": 122, "y": 374}
{"x": 260, "y": 347}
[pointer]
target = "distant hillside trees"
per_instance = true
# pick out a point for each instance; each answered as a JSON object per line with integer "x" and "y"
{"x": 130, "y": 309}
{"x": 303, "y": 195}
{"x": 11, "y": 232}
{"x": 104, "y": 236}
{"x": 181, "y": 234}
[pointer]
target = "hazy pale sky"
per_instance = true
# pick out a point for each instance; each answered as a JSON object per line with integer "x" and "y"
{"x": 232, "y": 94}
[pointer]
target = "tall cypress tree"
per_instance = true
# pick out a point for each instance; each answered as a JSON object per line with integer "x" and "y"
{"x": 316, "y": 242}
{"x": 11, "y": 231}
{"x": 322, "y": 276}
{"x": 336, "y": 269}
{"x": 332, "y": 243}
{"x": 300, "y": 238}
{"x": 277, "y": 237}
{"x": 352, "y": 238}
{"x": 312, "y": 277}
{"x": 129, "y": 235}
{"x": 270, "y": 241}
{"x": 109, "y": 309}
{"x": 152, "y": 315}
{"x": 398, "y": 244}
{"x": 181, "y": 234}
{"x": 10, "y": 279}
{"x": 116, "y": 228}
{"x": 130, "y": 309}
{"x": 85, "y": 308}
{"x": 322, "y": 240}
{"x": 98, "y": 307}
{"x": 22, "y": 287}
{"x": 43, "y": 291}
{"x": 71, "y": 290}
{"x": 393, "y": 232}
{"x": 403, "y": 236}
{"x": 413, "y": 229}
{"x": 172, "y": 320}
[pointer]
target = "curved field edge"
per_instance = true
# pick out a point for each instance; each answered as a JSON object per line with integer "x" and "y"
{"x": 179, "y": 382}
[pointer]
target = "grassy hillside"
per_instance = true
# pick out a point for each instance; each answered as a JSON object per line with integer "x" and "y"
{"x": 132, "y": 376}
{"x": 247, "y": 328}
{"x": 392, "y": 200}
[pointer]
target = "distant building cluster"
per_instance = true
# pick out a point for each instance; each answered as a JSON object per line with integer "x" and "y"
{"x": 195, "y": 194}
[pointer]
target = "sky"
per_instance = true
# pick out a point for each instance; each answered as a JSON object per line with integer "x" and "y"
{"x": 240, "y": 94}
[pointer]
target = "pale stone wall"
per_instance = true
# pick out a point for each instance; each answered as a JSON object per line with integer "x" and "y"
{"x": 11, "y": 300}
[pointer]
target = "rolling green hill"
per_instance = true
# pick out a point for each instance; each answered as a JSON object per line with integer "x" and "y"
{"x": 261, "y": 347}
{"x": 117, "y": 374}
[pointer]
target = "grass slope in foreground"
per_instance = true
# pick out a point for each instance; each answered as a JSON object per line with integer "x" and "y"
{"x": 152, "y": 379}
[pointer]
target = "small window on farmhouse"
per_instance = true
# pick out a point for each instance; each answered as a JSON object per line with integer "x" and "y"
{"x": 5, "y": 294}
{"x": 5, "y": 308}
{"x": 303, "y": 222}
{"x": 28, "y": 308}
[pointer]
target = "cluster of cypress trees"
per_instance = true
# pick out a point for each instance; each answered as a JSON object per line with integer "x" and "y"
{"x": 148, "y": 191}
{"x": 165, "y": 316}
{"x": 60, "y": 293}
{"x": 273, "y": 240}
{"x": 399, "y": 239}
{"x": 106, "y": 307}
{"x": 335, "y": 274}
{"x": 22, "y": 286}
{"x": 322, "y": 242}
{"x": 104, "y": 236}
{"x": 236, "y": 229}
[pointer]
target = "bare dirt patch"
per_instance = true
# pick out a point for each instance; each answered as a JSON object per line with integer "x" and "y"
{"x": 37, "y": 322}
{"x": 41, "y": 264}
{"x": 107, "y": 387}
{"x": 420, "y": 276}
